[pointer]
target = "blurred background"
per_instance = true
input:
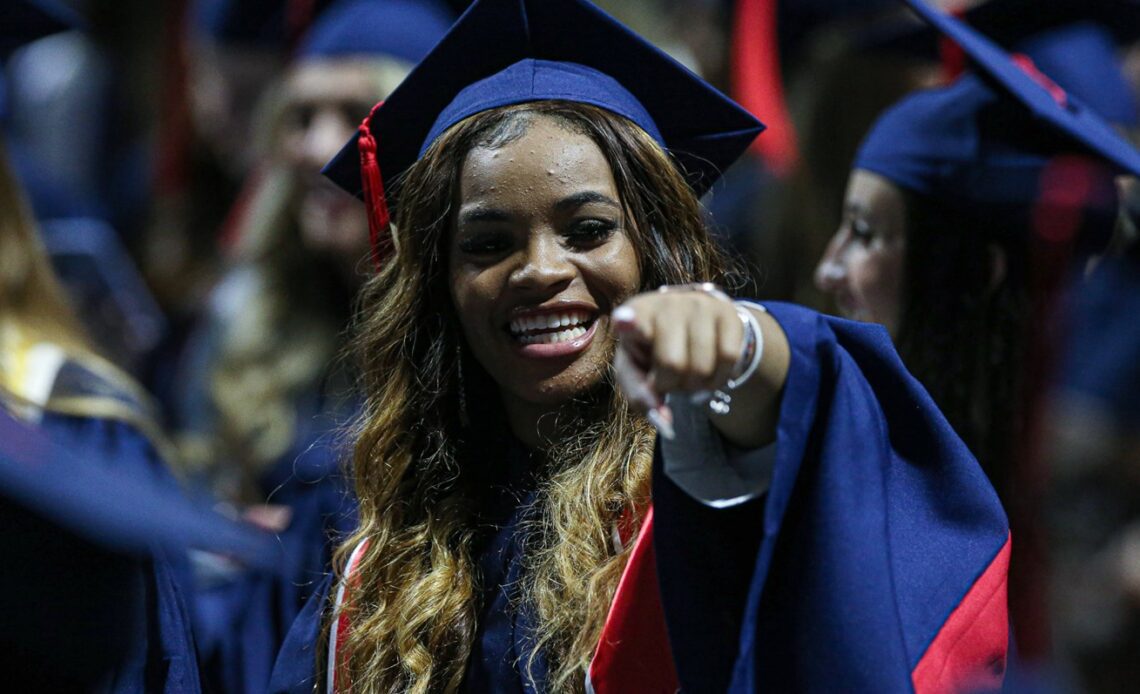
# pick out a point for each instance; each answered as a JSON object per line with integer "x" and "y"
{"x": 169, "y": 151}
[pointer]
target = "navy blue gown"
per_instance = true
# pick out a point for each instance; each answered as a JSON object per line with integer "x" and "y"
{"x": 837, "y": 567}
{"x": 245, "y": 620}
{"x": 163, "y": 658}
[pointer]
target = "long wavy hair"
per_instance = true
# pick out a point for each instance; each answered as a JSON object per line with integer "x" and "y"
{"x": 412, "y": 608}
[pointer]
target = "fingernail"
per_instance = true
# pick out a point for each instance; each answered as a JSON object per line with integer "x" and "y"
{"x": 663, "y": 425}
{"x": 624, "y": 314}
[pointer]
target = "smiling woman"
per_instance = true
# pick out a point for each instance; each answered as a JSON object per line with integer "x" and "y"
{"x": 540, "y": 238}
{"x": 550, "y": 293}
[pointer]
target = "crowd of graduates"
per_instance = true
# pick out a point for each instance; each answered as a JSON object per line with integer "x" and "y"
{"x": 178, "y": 284}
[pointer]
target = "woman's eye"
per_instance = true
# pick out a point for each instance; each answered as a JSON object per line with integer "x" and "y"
{"x": 862, "y": 231}
{"x": 485, "y": 243}
{"x": 587, "y": 232}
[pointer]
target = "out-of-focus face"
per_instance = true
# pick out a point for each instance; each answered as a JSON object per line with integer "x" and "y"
{"x": 325, "y": 102}
{"x": 540, "y": 254}
{"x": 862, "y": 267}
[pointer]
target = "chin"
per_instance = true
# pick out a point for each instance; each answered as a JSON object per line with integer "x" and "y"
{"x": 575, "y": 381}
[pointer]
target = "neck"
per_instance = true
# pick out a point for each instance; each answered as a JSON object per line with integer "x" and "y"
{"x": 531, "y": 423}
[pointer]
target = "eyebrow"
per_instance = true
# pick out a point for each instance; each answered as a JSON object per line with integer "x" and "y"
{"x": 584, "y": 198}
{"x": 483, "y": 214}
{"x": 570, "y": 202}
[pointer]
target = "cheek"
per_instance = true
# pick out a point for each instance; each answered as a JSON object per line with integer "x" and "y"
{"x": 472, "y": 294}
{"x": 616, "y": 268}
{"x": 871, "y": 272}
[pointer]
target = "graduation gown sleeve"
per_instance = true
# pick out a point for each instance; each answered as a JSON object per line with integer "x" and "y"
{"x": 165, "y": 658}
{"x": 875, "y": 561}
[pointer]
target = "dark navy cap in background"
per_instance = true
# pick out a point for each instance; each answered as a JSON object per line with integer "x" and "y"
{"x": 986, "y": 139}
{"x": 242, "y": 22}
{"x": 1074, "y": 42}
{"x": 24, "y": 21}
{"x": 405, "y": 29}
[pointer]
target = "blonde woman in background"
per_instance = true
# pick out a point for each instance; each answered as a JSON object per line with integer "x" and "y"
{"x": 263, "y": 395}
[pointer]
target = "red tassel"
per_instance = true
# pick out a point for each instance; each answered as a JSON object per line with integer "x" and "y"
{"x": 758, "y": 85}
{"x": 375, "y": 201}
{"x": 952, "y": 55}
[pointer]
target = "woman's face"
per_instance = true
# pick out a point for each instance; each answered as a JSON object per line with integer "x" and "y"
{"x": 325, "y": 100}
{"x": 862, "y": 267}
{"x": 540, "y": 253}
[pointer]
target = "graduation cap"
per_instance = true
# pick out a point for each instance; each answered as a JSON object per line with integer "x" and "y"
{"x": 24, "y": 21}
{"x": 243, "y": 22}
{"x": 503, "y": 52}
{"x": 1074, "y": 42}
{"x": 406, "y": 29}
{"x": 985, "y": 140}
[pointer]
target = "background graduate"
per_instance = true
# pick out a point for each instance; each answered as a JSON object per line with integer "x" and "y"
{"x": 968, "y": 207}
{"x": 523, "y": 527}
{"x": 53, "y": 379}
{"x": 261, "y": 396}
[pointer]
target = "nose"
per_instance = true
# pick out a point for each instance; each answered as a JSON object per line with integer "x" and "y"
{"x": 831, "y": 271}
{"x": 545, "y": 264}
{"x": 326, "y": 134}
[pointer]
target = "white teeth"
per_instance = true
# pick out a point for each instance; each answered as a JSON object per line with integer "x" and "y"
{"x": 574, "y": 320}
{"x": 552, "y": 338}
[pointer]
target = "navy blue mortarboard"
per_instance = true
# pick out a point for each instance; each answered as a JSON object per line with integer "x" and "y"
{"x": 406, "y": 29}
{"x": 504, "y": 52}
{"x": 24, "y": 21}
{"x": 986, "y": 139}
{"x": 242, "y": 22}
{"x": 1074, "y": 42}
{"x": 1082, "y": 59}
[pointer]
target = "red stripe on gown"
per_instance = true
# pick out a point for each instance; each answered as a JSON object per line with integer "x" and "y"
{"x": 969, "y": 652}
{"x": 633, "y": 653}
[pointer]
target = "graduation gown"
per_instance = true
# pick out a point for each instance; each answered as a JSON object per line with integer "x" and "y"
{"x": 162, "y": 656}
{"x": 244, "y": 620}
{"x": 866, "y": 552}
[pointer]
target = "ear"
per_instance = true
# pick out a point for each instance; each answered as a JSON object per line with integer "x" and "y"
{"x": 998, "y": 265}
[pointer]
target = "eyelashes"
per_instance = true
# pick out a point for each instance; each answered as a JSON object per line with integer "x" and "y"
{"x": 580, "y": 234}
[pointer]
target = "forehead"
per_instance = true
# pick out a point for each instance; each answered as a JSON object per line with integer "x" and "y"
{"x": 870, "y": 193}
{"x": 548, "y": 156}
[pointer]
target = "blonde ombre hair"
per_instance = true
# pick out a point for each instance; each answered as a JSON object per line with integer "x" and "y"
{"x": 412, "y": 608}
{"x": 35, "y": 309}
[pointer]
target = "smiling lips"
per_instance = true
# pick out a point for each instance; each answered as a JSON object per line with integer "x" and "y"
{"x": 550, "y": 328}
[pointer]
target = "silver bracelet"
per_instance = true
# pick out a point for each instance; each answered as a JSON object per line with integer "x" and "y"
{"x": 721, "y": 401}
